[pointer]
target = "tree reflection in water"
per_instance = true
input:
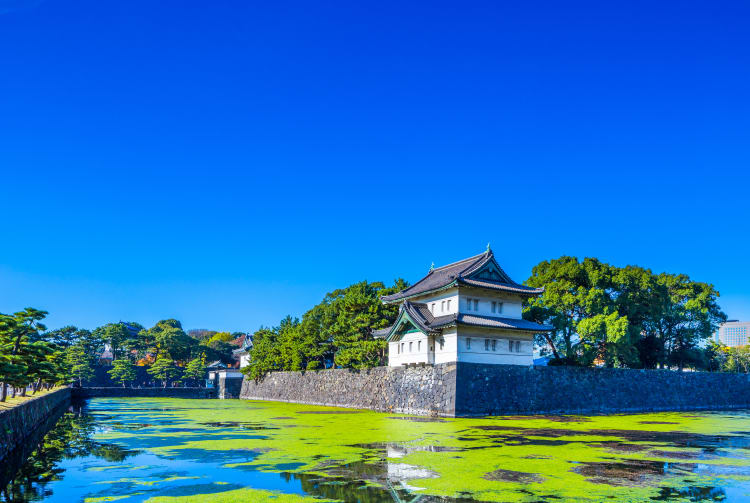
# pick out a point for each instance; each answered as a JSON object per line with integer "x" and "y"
{"x": 27, "y": 471}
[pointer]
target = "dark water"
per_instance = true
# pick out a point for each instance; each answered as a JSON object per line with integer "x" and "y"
{"x": 165, "y": 451}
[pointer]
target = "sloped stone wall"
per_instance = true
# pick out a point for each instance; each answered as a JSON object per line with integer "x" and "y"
{"x": 473, "y": 389}
{"x": 21, "y": 421}
{"x": 120, "y": 392}
{"x": 428, "y": 390}
{"x": 507, "y": 389}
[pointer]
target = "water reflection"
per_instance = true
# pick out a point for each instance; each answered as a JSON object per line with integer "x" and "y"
{"x": 133, "y": 450}
{"x": 69, "y": 437}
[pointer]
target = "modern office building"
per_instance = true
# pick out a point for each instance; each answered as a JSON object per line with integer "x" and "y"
{"x": 733, "y": 333}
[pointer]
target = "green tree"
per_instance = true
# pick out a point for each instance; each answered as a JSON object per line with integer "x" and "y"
{"x": 164, "y": 370}
{"x": 265, "y": 356}
{"x": 578, "y": 303}
{"x": 622, "y": 316}
{"x": 80, "y": 363}
{"x": 336, "y": 331}
{"x": 118, "y": 336}
{"x": 737, "y": 359}
{"x": 17, "y": 332}
{"x": 167, "y": 338}
{"x": 195, "y": 370}
{"x": 123, "y": 371}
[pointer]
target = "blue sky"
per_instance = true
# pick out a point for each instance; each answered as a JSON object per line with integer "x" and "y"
{"x": 227, "y": 163}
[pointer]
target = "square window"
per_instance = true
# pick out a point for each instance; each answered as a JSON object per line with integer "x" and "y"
{"x": 476, "y": 305}
{"x": 486, "y": 344}
{"x": 468, "y": 343}
{"x": 468, "y": 304}
{"x": 510, "y": 346}
{"x": 494, "y": 306}
{"x": 499, "y": 307}
{"x": 494, "y": 344}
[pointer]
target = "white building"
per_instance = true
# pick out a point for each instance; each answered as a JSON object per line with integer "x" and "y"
{"x": 468, "y": 311}
{"x": 733, "y": 333}
{"x": 242, "y": 355}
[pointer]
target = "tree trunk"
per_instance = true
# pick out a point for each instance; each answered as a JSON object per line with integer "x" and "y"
{"x": 3, "y": 392}
{"x": 552, "y": 346}
{"x": 23, "y": 391}
{"x": 12, "y": 391}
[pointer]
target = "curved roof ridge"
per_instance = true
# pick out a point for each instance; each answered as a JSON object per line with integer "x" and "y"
{"x": 452, "y": 264}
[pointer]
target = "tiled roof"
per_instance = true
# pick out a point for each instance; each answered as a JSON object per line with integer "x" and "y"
{"x": 420, "y": 314}
{"x": 516, "y": 288}
{"x": 382, "y": 332}
{"x": 506, "y": 323}
{"x": 459, "y": 272}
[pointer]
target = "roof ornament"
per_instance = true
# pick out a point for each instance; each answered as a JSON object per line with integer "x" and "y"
{"x": 488, "y": 248}
{"x": 432, "y": 267}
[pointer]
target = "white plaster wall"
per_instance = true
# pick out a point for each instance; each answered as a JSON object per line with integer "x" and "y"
{"x": 512, "y": 305}
{"x": 449, "y": 351}
{"x": 418, "y": 354}
{"x": 502, "y": 353}
{"x": 438, "y": 299}
{"x": 244, "y": 361}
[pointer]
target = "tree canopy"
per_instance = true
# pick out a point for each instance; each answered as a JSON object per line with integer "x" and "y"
{"x": 336, "y": 332}
{"x": 622, "y": 316}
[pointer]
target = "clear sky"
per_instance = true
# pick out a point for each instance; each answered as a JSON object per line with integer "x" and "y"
{"x": 227, "y": 163}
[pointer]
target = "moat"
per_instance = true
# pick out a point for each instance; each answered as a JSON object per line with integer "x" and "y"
{"x": 180, "y": 450}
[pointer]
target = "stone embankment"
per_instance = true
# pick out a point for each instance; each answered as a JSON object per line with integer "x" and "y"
{"x": 428, "y": 390}
{"x": 471, "y": 389}
{"x": 120, "y": 392}
{"x": 20, "y": 422}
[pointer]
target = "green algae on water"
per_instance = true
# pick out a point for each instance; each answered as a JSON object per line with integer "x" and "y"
{"x": 236, "y": 450}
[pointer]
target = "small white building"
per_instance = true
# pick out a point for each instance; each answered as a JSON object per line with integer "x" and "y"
{"x": 242, "y": 355}
{"x": 467, "y": 311}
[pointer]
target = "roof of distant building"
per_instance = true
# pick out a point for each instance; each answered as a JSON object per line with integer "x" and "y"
{"x": 481, "y": 271}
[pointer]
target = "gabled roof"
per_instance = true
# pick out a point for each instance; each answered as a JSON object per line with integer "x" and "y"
{"x": 418, "y": 315}
{"x": 481, "y": 271}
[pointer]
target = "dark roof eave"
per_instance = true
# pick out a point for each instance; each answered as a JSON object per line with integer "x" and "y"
{"x": 392, "y": 299}
{"x": 519, "y": 289}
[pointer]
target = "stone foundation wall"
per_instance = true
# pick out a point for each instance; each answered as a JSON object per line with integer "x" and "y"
{"x": 422, "y": 390}
{"x": 506, "y": 389}
{"x": 472, "y": 389}
{"x": 229, "y": 387}
{"x": 20, "y": 422}
{"x": 120, "y": 392}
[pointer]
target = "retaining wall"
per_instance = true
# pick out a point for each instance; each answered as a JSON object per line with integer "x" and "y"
{"x": 426, "y": 390}
{"x": 20, "y": 422}
{"x": 120, "y": 392}
{"x": 473, "y": 389}
{"x": 508, "y": 389}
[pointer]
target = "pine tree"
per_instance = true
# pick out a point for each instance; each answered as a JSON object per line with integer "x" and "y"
{"x": 123, "y": 371}
{"x": 196, "y": 368}
{"x": 164, "y": 370}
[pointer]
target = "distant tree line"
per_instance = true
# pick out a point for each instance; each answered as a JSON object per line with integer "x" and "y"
{"x": 625, "y": 316}
{"x": 602, "y": 315}
{"x": 31, "y": 357}
{"x": 336, "y": 332}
